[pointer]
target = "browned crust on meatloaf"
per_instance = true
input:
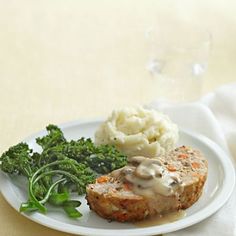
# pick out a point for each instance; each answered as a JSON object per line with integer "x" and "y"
{"x": 114, "y": 200}
{"x": 193, "y": 169}
{"x": 113, "y": 204}
{"x": 113, "y": 207}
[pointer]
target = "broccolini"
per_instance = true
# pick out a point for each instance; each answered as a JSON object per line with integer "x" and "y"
{"x": 61, "y": 168}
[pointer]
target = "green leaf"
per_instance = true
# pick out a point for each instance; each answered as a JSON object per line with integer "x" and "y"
{"x": 58, "y": 199}
{"x": 70, "y": 208}
{"x": 72, "y": 203}
{"x": 28, "y": 207}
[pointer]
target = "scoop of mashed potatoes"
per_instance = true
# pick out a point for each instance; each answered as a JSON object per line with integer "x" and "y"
{"x": 138, "y": 131}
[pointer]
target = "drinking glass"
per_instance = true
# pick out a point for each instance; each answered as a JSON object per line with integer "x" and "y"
{"x": 178, "y": 60}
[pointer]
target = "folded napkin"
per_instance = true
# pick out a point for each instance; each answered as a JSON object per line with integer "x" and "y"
{"x": 215, "y": 117}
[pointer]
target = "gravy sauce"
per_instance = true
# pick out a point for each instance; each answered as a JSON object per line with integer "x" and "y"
{"x": 149, "y": 177}
{"x": 161, "y": 219}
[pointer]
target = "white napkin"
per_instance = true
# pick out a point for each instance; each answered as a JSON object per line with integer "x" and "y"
{"x": 215, "y": 117}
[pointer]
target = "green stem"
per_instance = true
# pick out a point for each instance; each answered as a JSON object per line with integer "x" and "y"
{"x": 50, "y": 190}
{"x": 36, "y": 178}
{"x": 40, "y": 206}
{"x": 73, "y": 177}
{"x": 48, "y": 165}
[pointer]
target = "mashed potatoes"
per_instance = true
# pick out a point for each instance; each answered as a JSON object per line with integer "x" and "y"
{"x": 138, "y": 131}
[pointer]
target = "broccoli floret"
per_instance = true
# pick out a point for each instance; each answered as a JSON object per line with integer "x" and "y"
{"x": 54, "y": 137}
{"x": 17, "y": 160}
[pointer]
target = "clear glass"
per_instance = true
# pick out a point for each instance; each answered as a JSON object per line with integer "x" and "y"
{"x": 178, "y": 59}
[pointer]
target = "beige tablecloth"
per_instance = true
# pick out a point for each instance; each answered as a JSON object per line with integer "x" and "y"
{"x": 65, "y": 60}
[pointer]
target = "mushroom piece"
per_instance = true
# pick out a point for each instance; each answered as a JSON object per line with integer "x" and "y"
{"x": 136, "y": 160}
{"x": 144, "y": 172}
{"x": 148, "y": 169}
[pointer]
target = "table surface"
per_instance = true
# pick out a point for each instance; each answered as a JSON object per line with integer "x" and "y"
{"x": 66, "y": 60}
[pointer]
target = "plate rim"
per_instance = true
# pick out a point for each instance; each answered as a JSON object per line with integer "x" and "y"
{"x": 223, "y": 196}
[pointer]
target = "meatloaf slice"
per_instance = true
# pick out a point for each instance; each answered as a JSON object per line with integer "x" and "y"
{"x": 115, "y": 198}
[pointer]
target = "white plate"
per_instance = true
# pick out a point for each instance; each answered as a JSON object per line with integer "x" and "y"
{"x": 217, "y": 190}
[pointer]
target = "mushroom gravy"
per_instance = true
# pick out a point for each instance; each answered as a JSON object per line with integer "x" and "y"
{"x": 149, "y": 177}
